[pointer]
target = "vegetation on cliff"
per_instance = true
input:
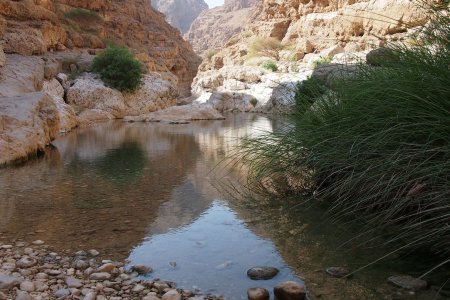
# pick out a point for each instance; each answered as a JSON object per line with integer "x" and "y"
{"x": 119, "y": 68}
{"x": 376, "y": 146}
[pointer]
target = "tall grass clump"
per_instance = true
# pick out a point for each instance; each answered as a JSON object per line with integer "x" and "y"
{"x": 84, "y": 15}
{"x": 376, "y": 147}
{"x": 119, "y": 68}
{"x": 269, "y": 47}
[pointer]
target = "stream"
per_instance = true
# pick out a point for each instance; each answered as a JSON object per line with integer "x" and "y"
{"x": 146, "y": 193}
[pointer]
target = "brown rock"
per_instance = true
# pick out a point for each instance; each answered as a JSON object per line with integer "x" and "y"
{"x": 171, "y": 295}
{"x": 289, "y": 290}
{"x": 258, "y": 294}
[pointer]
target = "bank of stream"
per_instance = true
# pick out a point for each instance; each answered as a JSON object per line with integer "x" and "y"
{"x": 152, "y": 194}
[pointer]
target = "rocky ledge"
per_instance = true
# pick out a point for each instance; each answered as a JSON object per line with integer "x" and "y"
{"x": 32, "y": 272}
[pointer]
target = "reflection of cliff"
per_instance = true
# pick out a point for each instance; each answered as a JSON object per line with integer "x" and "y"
{"x": 81, "y": 200}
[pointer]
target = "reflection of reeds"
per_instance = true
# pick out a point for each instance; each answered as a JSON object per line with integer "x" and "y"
{"x": 377, "y": 147}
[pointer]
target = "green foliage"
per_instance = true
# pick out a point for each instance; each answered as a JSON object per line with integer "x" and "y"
{"x": 321, "y": 62}
{"x": 307, "y": 92}
{"x": 210, "y": 53}
{"x": 253, "y": 102}
{"x": 119, "y": 69}
{"x": 377, "y": 147}
{"x": 264, "y": 47}
{"x": 82, "y": 15}
{"x": 270, "y": 65}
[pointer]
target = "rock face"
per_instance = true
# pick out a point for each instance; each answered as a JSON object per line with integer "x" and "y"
{"x": 100, "y": 102}
{"x": 296, "y": 36}
{"x": 27, "y": 124}
{"x": 215, "y": 26}
{"x": 180, "y": 13}
{"x": 34, "y": 27}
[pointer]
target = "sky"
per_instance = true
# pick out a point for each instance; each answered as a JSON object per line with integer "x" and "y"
{"x": 213, "y": 3}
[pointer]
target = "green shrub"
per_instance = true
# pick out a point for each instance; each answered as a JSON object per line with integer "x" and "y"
{"x": 84, "y": 15}
{"x": 377, "y": 148}
{"x": 253, "y": 101}
{"x": 210, "y": 53}
{"x": 321, "y": 62}
{"x": 307, "y": 92}
{"x": 270, "y": 65}
{"x": 264, "y": 47}
{"x": 119, "y": 69}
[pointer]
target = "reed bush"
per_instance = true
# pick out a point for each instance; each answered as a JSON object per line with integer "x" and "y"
{"x": 376, "y": 147}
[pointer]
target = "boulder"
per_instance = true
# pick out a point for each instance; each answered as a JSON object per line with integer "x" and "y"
{"x": 289, "y": 290}
{"x": 258, "y": 294}
{"x": 262, "y": 273}
{"x": 179, "y": 114}
{"x": 24, "y": 41}
{"x": 67, "y": 115}
{"x": 381, "y": 56}
{"x": 155, "y": 94}
{"x": 331, "y": 52}
{"x": 27, "y": 125}
{"x": 91, "y": 93}
{"x": 21, "y": 74}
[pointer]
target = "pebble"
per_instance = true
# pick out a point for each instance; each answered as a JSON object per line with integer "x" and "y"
{"x": 258, "y": 293}
{"x": 90, "y": 296}
{"x": 73, "y": 282}
{"x": 27, "y": 286}
{"x": 289, "y": 290}
{"x": 108, "y": 267}
{"x": 8, "y": 282}
{"x": 171, "y": 295}
{"x": 21, "y": 295}
{"x": 93, "y": 253}
{"x": 338, "y": 272}
{"x": 408, "y": 282}
{"x": 262, "y": 273}
{"x": 141, "y": 269}
{"x": 100, "y": 276}
{"x": 138, "y": 288}
{"x": 2, "y": 296}
{"x": 38, "y": 242}
{"x": 26, "y": 262}
{"x": 62, "y": 293}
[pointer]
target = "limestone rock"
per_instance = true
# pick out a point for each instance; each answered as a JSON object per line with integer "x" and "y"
{"x": 91, "y": 93}
{"x": 67, "y": 115}
{"x": 2, "y": 57}
{"x": 215, "y": 26}
{"x": 179, "y": 114}
{"x": 20, "y": 75}
{"x": 100, "y": 276}
{"x": 27, "y": 124}
{"x": 141, "y": 269}
{"x": 171, "y": 295}
{"x": 180, "y": 13}
{"x": 258, "y": 294}
{"x": 155, "y": 93}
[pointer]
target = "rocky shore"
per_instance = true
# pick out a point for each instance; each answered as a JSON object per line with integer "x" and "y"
{"x": 33, "y": 271}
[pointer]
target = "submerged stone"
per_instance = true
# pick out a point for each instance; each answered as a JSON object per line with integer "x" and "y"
{"x": 338, "y": 272}
{"x": 258, "y": 293}
{"x": 408, "y": 282}
{"x": 262, "y": 273}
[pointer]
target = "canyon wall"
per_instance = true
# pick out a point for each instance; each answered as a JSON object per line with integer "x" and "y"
{"x": 215, "y": 26}
{"x": 180, "y": 13}
{"x": 34, "y": 27}
{"x": 283, "y": 40}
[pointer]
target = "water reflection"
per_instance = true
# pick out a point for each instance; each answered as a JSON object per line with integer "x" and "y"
{"x": 215, "y": 259}
{"x": 143, "y": 189}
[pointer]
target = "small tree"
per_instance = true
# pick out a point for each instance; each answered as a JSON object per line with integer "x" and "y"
{"x": 119, "y": 68}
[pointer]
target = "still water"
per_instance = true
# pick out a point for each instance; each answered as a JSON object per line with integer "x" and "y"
{"x": 156, "y": 194}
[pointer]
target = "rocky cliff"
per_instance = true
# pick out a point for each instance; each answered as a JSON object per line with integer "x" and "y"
{"x": 34, "y": 27}
{"x": 213, "y": 27}
{"x": 288, "y": 38}
{"x": 180, "y": 13}
{"x": 41, "y": 39}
